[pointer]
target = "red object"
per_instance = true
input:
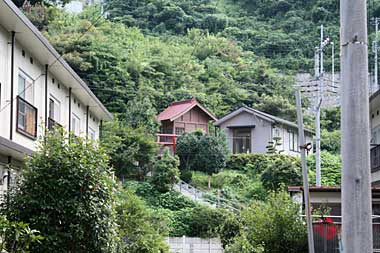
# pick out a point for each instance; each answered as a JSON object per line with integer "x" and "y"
{"x": 326, "y": 229}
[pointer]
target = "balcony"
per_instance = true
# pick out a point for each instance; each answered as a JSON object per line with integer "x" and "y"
{"x": 167, "y": 140}
{"x": 26, "y": 121}
{"x": 375, "y": 158}
{"x": 52, "y": 124}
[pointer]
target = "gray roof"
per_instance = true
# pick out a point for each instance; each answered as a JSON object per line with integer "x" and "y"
{"x": 266, "y": 116}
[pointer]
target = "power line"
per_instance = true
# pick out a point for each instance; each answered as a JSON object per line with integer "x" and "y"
{"x": 50, "y": 65}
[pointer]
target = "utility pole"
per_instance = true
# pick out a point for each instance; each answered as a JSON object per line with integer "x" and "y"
{"x": 375, "y": 50}
{"x": 303, "y": 147}
{"x": 356, "y": 183}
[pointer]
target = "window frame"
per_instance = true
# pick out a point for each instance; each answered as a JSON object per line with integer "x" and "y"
{"x": 22, "y": 130}
{"x": 74, "y": 126}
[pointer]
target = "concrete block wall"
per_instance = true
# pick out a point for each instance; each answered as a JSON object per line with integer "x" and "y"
{"x": 194, "y": 245}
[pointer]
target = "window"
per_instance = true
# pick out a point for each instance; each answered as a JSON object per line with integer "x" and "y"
{"x": 75, "y": 124}
{"x": 25, "y": 87}
{"x": 293, "y": 141}
{"x": 26, "y": 118}
{"x": 241, "y": 140}
{"x": 54, "y": 109}
{"x": 375, "y": 135}
{"x": 91, "y": 133}
{"x": 179, "y": 130}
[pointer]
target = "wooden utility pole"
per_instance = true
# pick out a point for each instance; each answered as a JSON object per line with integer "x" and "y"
{"x": 356, "y": 183}
{"x": 303, "y": 146}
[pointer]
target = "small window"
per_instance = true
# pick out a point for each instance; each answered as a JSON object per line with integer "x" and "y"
{"x": 54, "y": 109}
{"x": 53, "y": 80}
{"x": 25, "y": 87}
{"x": 373, "y": 115}
{"x": 75, "y": 124}
{"x": 293, "y": 141}
{"x": 59, "y": 86}
{"x": 23, "y": 53}
{"x": 91, "y": 133}
{"x": 31, "y": 60}
{"x": 179, "y": 130}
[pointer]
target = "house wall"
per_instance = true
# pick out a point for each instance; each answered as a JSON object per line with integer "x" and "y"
{"x": 192, "y": 120}
{"x": 262, "y": 133}
{"x": 36, "y": 72}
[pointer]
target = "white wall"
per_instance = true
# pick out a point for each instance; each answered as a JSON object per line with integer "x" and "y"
{"x": 36, "y": 72}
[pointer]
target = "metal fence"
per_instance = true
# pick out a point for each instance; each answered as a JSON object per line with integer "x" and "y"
{"x": 327, "y": 237}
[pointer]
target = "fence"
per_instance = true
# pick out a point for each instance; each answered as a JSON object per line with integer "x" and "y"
{"x": 194, "y": 245}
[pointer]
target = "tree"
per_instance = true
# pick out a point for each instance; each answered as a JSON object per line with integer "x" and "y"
{"x": 282, "y": 171}
{"x": 165, "y": 172}
{"x": 20, "y": 3}
{"x": 202, "y": 152}
{"x": 141, "y": 113}
{"x": 274, "y": 226}
{"x": 331, "y": 168}
{"x": 138, "y": 227}
{"x": 272, "y": 145}
{"x": 132, "y": 151}
{"x": 67, "y": 193}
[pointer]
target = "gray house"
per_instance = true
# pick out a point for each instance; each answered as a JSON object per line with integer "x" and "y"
{"x": 249, "y": 131}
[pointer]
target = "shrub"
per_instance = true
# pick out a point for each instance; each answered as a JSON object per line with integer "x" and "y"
{"x": 67, "y": 193}
{"x": 281, "y": 172}
{"x": 17, "y": 236}
{"x": 331, "y": 169}
{"x": 139, "y": 227}
{"x": 165, "y": 172}
{"x": 186, "y": 176}
{"x": 274, "y": 226}
{"x": 203, "y": 152}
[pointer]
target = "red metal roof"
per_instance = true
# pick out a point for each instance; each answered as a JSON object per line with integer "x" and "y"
{"x": 177, "y": 109}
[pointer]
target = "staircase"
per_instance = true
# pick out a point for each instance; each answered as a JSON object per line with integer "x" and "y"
{"x": 205, "y": 197}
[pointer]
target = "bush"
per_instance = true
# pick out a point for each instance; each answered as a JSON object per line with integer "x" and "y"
{"x": 274, "y": 226}
{"x": 186, "y": 176}
{"x": 139, "y": 227}
{"x": 67, "y": 193}
{"x": 202, "y": 152}
{"x": 281, "y": 172}
{"x": 272, "y": 169}
{"x": 165, "y": 172}
{"x": 331, "y": 169}
{"x": 17, "y": 236}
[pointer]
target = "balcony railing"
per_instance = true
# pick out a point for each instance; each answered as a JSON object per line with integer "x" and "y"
{"x": 52, "y": 123}
{"x": 167, "y": 140}
{"x": 375, "y": 158}
{"x": 26, "y": 121}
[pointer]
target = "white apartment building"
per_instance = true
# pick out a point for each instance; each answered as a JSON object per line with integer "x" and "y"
{"x": 37, "y": 88}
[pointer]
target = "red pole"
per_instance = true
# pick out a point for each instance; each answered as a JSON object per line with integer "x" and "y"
{"x": 174, "y": 143}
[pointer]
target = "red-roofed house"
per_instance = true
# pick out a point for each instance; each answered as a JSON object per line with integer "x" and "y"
{"x": 182, "y": 117}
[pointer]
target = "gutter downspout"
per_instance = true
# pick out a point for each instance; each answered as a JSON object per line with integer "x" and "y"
{"x": 46, "y": 96}
{"x": 12, "y": 83}
{"x": 69, "y": 111}
{"x": 87, "y": 111}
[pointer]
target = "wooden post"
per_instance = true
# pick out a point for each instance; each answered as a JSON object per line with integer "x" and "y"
{"x": 302, "y": 145}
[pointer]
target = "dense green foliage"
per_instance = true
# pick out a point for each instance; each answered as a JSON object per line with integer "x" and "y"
{"x": 17, "y": 236}
{"x": 166, "y": 172}
{"x": 274, "y": 226}
{"x": 138, "y": 225}
{"x": 132, "y": 151}
{"x": 331, "y": 169}
{"x": 203, "y": 152}
{"x": 67, "y": 194}
{"x": 186, "y": 217}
